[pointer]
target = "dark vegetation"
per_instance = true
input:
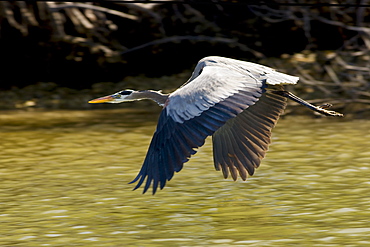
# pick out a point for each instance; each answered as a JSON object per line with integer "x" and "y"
{"x": 57, "y": 54}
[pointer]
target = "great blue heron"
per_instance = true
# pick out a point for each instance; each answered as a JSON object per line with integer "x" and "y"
{"x": 236, "y": 102}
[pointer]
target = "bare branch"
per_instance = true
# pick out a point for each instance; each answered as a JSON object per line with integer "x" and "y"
{"x": 56, "y": 21}
{"x": 27, "y": 14}
{"x": 93, "y": 7}
{"x": 175, "y": 39}
{"x": 9, "y": 15}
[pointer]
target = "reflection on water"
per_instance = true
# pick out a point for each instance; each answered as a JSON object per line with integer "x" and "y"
{"x": 64, "y": 183}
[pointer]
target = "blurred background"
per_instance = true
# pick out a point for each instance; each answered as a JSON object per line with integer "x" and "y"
{"x": 65, "y": 164}
{"x": 60, "y": 54}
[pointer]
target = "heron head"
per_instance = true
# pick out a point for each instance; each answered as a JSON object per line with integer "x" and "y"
{"x": 121, "y": 96}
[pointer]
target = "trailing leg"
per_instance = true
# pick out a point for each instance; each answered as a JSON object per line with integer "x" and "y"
{"x": 319, "y": 109}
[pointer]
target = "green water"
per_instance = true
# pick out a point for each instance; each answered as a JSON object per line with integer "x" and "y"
{"x": 64, "y": 178}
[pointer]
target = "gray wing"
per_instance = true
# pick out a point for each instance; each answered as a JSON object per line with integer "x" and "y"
{"x": 219, "y": 90}
{"x": 174, "y": 142}
{"x": 240, "y": 144}
{"x": 214, "y": 80}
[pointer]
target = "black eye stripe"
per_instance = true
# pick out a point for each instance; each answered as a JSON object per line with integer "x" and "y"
{"x": 125, "y": 92}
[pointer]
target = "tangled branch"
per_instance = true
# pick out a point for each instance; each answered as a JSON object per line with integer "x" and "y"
{"x": 106, "y": 29}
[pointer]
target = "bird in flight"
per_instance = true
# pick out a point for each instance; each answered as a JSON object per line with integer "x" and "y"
{"x": 236, "y": 102}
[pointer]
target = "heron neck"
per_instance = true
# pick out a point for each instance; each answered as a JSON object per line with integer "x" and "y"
{"x": 156, "y": 96}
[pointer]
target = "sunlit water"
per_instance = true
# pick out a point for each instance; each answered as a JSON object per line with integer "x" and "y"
{"x": 64, "y": 182}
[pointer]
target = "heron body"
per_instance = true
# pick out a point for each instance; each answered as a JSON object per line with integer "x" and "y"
{"x": 236, "y": 102}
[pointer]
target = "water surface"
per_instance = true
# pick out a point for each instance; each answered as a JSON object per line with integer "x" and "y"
{"x": 64, "y": 178}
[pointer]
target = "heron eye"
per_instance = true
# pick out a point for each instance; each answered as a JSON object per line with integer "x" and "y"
{"x": 125, "y": 92}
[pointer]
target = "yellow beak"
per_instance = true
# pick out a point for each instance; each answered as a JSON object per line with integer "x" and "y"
{"x": 102, "y": 99}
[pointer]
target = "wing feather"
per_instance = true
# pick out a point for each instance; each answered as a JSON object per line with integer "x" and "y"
{"x": 245, "y": 138}
{"x": 173, "y": 143}
{"x": 215, "y": 98}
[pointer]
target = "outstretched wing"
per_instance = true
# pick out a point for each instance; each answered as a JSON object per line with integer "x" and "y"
{"x": 241, "y": 144}
{"x": 173, "y": 142}
{"x": 218, "y": 90}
